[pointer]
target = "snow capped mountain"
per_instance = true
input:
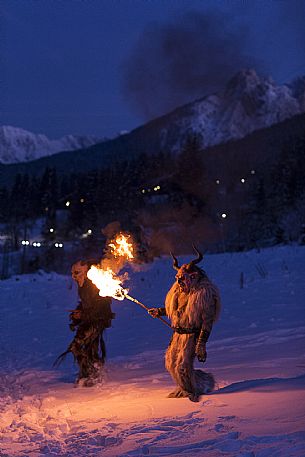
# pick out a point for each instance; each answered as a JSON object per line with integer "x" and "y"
{"x": 248, "y": 102}
{"x": 19, "y": 145}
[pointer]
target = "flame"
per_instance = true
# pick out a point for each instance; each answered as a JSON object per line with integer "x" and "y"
{"x": 108, "y": 284}
{"x": 120, "y": 247}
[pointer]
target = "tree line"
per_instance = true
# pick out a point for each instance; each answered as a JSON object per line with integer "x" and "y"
{"x": 270, "y": 207}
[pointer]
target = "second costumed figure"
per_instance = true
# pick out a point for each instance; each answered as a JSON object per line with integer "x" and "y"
{"x": 192, "y": 305}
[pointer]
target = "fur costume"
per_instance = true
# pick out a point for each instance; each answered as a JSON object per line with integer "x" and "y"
{"x": 193, "y": 305}
{"x": 88, "y": 346}
{"x": 194, "y": 310}
{"x": 91, "y": 317}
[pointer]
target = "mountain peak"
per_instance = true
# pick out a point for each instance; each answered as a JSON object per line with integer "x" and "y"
{"x": 246, "y": 80}
{"x": 249, "y": 102}
{"x": 20, "y": 145}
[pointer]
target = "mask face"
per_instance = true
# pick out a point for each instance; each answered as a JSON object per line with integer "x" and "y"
{"x": 79, "y": 273}
{"x": 185, "y": 278}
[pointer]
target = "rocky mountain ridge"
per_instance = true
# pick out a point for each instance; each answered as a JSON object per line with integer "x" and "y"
{"x": 247, "y": 104}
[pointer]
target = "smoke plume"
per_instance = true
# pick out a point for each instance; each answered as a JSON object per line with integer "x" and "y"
{"x": 176, "y": 63}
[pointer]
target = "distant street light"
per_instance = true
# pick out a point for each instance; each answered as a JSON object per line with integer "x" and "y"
{"x": 243, "y": 180}
{"x": 68, "y": 203}
{"x": 51, "y": 230}
{"x": 58, "y": 245}
{"x": 223, "y": 216}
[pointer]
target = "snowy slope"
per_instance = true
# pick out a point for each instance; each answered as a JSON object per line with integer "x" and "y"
{"x": 19, "y": 145}
{"x": 256, "y": 352}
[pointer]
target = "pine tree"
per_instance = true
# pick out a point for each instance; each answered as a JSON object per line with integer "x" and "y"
{"x": 4, "y": 205}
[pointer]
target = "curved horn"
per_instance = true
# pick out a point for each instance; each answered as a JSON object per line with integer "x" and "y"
{"x": 175, "y": 263}
{"x": 199, "y": 257}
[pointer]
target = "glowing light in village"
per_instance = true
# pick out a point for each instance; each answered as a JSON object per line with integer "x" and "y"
{"x": 51, "y": 230}
{"x": 121, "y": 247}
{"x": 68, "y": 203}
{"x": 242, "y": 180}
{"x": 224, "y": 215}
{"x": 108, "y": 284}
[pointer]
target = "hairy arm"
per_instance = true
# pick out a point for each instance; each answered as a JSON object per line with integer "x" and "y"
{"x": 208, "y": 318}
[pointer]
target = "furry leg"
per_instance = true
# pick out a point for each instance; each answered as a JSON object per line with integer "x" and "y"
{"x": 178, "y": 393}
{"x": 179, "y": 363}
{"x": 185, "y": 377}
{"x": 205, "y": 382}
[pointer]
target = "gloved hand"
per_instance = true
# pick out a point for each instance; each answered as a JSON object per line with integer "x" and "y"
{"x": 201, "y": 352}
{"x": 154, "y": 312}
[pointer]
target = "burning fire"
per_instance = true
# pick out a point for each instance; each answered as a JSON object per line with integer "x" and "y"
{"x": 108, "y": 284}
{"x": 121, "y": 247}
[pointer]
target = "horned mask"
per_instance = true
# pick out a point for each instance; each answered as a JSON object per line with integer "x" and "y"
{"x": 188, "y": 274}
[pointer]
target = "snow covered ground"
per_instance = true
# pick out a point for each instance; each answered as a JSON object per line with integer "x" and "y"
{"x": 256, "y": 352}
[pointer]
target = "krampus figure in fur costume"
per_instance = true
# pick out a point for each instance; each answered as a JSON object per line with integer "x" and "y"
{"x": 192, "y": 304}
{"x": 90, "y": 318}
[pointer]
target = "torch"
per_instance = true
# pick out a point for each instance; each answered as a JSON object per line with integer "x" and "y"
{"x": 109, "y": 285}
{"x": 145, "y": 307}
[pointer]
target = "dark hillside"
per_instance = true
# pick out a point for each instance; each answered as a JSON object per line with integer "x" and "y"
{"x": 256, "y": 149}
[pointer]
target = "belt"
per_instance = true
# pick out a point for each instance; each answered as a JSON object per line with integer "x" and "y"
{"x": 186, "y": 331}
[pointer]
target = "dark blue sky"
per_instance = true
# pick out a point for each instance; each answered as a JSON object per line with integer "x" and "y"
{"x": 70, "y": 66}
